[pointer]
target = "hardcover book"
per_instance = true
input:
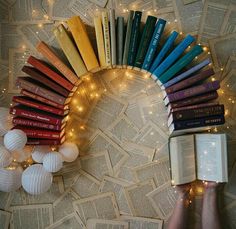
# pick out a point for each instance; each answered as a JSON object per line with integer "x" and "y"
{"x": 37, "y": 141}
{"x": 113, "y": 36}
{"x": 120, "y": 39}
{"x": 106, "y": 35}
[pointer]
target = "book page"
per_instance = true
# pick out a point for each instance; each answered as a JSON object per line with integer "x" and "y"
{"x": 228, "y": 25}
{"x": 41, "y": 214}
{"x": 163, "y": 6}
{"x": 5, "y": 200}
{"x": 182, "y": 159}
{"x": 231, "y": 64}
{"x": 230, "y": 187}
{"x": 5, "y": 219}
{"x": 211, "y": 156}
{"x": 106, "y": 224}
{"x": 102, "y": 206}
{"x": 228, "y": 84}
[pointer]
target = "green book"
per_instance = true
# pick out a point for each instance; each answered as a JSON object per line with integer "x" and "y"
{"x": 145, "y": 40}
{"x": 120, "y": 39}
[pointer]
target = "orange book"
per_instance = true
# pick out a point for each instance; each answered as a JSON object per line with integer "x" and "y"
{"x": 51, "y": 56}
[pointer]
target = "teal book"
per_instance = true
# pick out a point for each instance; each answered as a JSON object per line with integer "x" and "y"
{"x": 181, "y": 63}
{"x": 145, "y": 40}
{"x": 135, "y": 32}
{"x": 127, "y": 37}
{"x": 120, "y": 39}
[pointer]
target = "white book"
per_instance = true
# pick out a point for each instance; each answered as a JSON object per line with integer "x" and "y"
{"x": 113, "y": 36}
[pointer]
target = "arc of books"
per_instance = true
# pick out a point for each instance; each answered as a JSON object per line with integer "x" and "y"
{"x": 41, "y": 112}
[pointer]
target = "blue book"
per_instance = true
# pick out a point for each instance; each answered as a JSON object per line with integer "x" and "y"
{"x": 167, "y": 46}
{"x": 134, "y": 37}
{"x": 187, "y": 73}
{"x": 154, "y": 43}
{"x": 178, "y": 51}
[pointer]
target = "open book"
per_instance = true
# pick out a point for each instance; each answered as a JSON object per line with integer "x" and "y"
{"x": 199, "y": 156}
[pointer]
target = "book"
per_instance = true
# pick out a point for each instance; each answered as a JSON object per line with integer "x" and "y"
{"x": 192, "y": 91}
{"x": 106, "y": 35}
{"x": 37, "y": 88}
{"x": 180, "y": 127}
{"x": 25, "y": 112}
{"x": 52, "y": 57}
{"x": 146, "y": 37}
{"x": 29, "y": 102}
{"x": 152, "y": 48}
{"x": 79, "y": 33}
{"x": 113, "y": 35}
{"x": 100, "y": 40}
{"x": 195, "y": 113}
{"x": 120, "y": 39}
{"x": 70, "y": 50}
{"x": 190, "y": 81}
{"x": 46, "y": 70}
{"x": 33, "y": 123}
{"x": 44, "y": 100}
{"x": 40, "y": 133}
{"x": 185, "y": 74}
{"x": 127, "y": 37}
{"x": 135, "y": 31}
{"x": 180, "y": 64}
{"x": 38, "y": 76}
{"x": 166, "y": 47}
{"x": 36, "y": 141}
{"x": 173, "y": 56}
{"x": 199, "y": 156}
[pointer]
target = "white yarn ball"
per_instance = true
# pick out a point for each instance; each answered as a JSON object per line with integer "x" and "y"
{"x": 5, "y": 120}
{"x": 39, "y": 152}
{"x": 15, "y": 140}
{"x": 36, "y": 180}
{"x": 69, "y": 151}
{"x": 10, "y": 179}
{"x": 5, "y": 157}
{"x": 52, "y": 162}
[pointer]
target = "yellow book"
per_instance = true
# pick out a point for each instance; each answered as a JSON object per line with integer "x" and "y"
{"x": 107, "y": 45}
{"x": 83, "y": 43}
{"x": 70, "y": 50}
{"x": 100, "y": 40}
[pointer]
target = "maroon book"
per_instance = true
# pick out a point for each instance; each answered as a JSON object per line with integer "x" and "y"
{"x": 52, "y": 142}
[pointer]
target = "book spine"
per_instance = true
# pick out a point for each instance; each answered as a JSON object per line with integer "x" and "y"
{"x": 198, "y": 112}
{"x": 197, "y": 90}
{"x": 154, "y": 43}
{"x": 40, "y": 91}
{"x": 70, "y": 50}
{"x": 113, "y": 35}
{"x": 174, "y": 55}
{"x": 33, "y": 141}
{"x": 43, "y": 107}
{"x": 35, "y": 116}
{"x": 32, "y": 123}
{"x": 128, "y": 37}
{"x": 120, "y": 39}
{"x": 187, "y": 73}
{"x": 47, "y": 52}
{"x": 145, "y": 41}
{"x": 195, "y": 100}
{"x": 134, "y": 38}
{"x": 167, "y": 46}
{"x": 207, "y": 121}
{"x": 190, "y": 81}
{"x": 106, "y": 35}
{"x": 100, "y": 40}
{"x": 43, "y": 100}
{"x": 50, "y": 73}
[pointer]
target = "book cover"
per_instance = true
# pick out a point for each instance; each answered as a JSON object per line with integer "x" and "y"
{"x": 70, "y": 50}
{"x": 152, "y": 47}
{"x": 120, "y": 39}
{"x": 83, "y": 43}
{"x": 146, "y": 37}
{"x": 106, "y": 35}
{"x": 36, "y": 141}
{"x": 113, "y": 35}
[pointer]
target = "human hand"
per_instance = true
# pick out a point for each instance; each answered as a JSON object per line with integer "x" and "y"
{"x": 210, "y": 186}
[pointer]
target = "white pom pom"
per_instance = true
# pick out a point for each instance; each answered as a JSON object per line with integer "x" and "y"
{"x": 15, "y": 140}
{"x": 10, "y": 179}
{"x": 52, "y": 162}
{"x": 5, "y": 157}
{"x": 69, "y": 151}
{"x": 5, "y": 120}
{"x": 39, "y": 152}
{"x": 36, "y": 180}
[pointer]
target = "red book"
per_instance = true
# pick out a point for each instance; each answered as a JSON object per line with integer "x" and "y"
{"x": 35, "y": 141}
{"x": 41, "y": 133}
{"x": 39, "y": 89}
{"x": 38, "y": 76}
{"x": 38, "y": 105}
{"x": 41, "y": 116}
{"x": 44, "y": 100}
{"x": 33, "y": 123}
{"x": 44, "y": 68}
